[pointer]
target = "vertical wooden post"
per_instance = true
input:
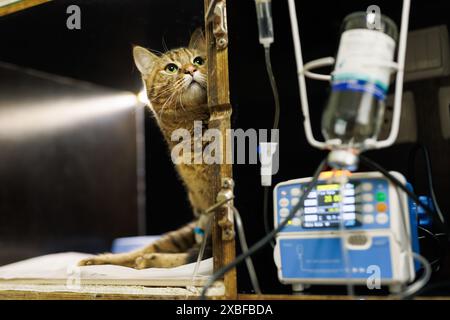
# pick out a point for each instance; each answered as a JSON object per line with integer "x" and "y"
{"x": 219, "y": 103}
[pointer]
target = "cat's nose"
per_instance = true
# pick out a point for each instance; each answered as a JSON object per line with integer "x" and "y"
{"x": 190, "y": 70}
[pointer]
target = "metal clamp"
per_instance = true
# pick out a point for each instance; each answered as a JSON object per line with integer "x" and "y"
{"x": 226, "y": 222}
{"x": 217, "y": 14}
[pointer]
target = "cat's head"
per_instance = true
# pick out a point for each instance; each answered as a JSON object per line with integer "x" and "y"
{"x": 176, "y": 78}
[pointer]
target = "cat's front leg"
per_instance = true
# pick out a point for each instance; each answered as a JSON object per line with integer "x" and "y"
{"x": 173, "y": 242}
{"x": 120, "y": 259}
{"x": 161, "y": 260}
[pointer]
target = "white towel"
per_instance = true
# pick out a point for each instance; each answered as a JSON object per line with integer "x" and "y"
{"x": 62, "y": 267}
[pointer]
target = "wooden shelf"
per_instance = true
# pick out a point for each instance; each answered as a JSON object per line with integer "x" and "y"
{"x": 104, "y": 292}
{"x": 167, "y": 294}
{"x": 19, "y": 6}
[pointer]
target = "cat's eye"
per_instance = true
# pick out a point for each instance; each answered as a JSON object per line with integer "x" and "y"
{"x": 199, "y": 61}
{"x": 171, "y": 68}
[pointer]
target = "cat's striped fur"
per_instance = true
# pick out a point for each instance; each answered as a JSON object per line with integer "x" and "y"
{"x": 178, "y": 98}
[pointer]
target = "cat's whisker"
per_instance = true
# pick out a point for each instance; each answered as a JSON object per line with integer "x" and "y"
{"x": 181, "y": 102}
{"x": 201, "y": 79}
{"x": 164, "y": 44}
{"x": 165, "y": 85}
{"x": 168, "y": 102}
{"x": 156, "y": 86}
{"x": 164, "y": 92}
{"x": 161, "y": 111}
{"x": 161, "y": 91}
{"x": 156, "y": 51}
{"x": 168, "y": 90}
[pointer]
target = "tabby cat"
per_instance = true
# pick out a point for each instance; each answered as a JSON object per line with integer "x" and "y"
{"x": 176, "y": 88}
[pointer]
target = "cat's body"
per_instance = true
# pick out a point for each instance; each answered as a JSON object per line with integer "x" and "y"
{"x": 176, "y": 88}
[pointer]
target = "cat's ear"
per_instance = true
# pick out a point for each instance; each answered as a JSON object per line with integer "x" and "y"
{"x": 144, "y": 59}
{"x": 198, "y": 41}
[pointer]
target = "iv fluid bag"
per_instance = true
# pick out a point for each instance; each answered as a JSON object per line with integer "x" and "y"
{"x": 360, "y": 81}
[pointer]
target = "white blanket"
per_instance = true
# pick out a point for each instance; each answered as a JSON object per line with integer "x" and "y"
{"x": 61, "y": 268}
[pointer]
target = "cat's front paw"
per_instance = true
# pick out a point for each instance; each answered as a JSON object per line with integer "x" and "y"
{"x": 125, "y": 260}
{"x": 160, "y": 260}
{"x": 96, "y": 260}
{"x": 145, "y": 261}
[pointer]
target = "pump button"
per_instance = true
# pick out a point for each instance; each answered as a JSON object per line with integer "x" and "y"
{"x": 296, "y": 222}
{"x": 381, "y": 207}
{"x": 367, "y": 186}
{"x": 368, "y": 219}
{"x": 381, "y": 196}
{"x": 295, "y": 192}
{"x": 382, "y": 218}
{"x": 284, "y": 202}
{"x": 284, "y": 212}
{"x": 367, "y": 197}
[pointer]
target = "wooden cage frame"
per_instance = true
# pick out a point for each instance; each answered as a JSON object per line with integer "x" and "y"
{"x": 219, "y": 103}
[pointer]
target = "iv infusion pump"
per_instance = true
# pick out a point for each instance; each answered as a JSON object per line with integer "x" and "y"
{"x": 377, "y": 233}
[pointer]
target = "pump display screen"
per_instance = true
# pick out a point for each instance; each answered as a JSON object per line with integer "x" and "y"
{"x": 323, "y": 205}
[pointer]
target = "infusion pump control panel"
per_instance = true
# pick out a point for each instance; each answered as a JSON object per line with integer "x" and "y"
{"x": 365, "y": 205}
{"x": 379, "y": 231}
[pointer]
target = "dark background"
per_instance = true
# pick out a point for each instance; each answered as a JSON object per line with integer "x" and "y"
{"x": 101, "y": 53}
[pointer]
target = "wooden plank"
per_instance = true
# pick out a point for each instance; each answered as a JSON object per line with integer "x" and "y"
{"x": 40, "y": 295}
{"x": 105, "y": 292}
{"x": 18, "y": 6}
{"x": 218, "y": 100}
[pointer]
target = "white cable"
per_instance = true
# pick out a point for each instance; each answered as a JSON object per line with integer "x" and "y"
{"x": 244, "y": 246}
{"x": 201, "y": 252}
{"x": 413, "y": 288}
{"x": 207, "y": 231}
